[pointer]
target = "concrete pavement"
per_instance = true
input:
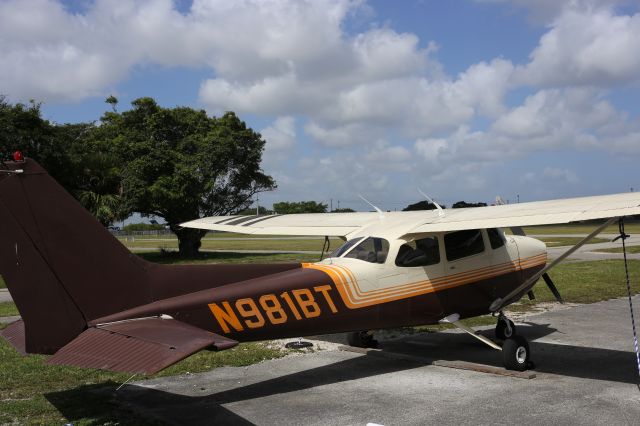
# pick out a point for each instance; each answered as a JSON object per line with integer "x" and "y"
{"x": 587, "y": 251}
{"x": 5, "y": 296}
{"x": 586, "y": 374}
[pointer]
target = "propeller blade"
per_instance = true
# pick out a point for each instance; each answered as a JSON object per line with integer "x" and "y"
{"x": 552, "y": 287}
{"x": 518, "y": 231}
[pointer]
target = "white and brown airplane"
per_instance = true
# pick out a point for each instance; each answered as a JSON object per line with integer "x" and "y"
{"x": 85, "y": 299}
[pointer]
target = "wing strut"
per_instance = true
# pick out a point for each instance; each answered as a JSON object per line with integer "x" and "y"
{"x": 455, "y": 320}
{"x": 500, "y": 302}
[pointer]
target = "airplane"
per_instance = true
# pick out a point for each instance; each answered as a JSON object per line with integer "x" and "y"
{"x": 87, "y": 301}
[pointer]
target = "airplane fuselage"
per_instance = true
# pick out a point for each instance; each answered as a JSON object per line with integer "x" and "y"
{"x": 345, "y": 293}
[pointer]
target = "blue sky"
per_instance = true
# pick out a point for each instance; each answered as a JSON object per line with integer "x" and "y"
{"x": 465, "y": 99}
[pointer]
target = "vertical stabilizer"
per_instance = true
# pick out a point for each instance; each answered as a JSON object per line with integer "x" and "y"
{"x": 62, "y": 267}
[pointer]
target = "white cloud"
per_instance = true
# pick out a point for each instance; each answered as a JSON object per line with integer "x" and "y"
{"x": 564, "y": 175}
{"x": 281, "y": 135}
{"x": 558, "y": 118}
{"x": 593, "y": 47}
{"x": 361, "y": 95}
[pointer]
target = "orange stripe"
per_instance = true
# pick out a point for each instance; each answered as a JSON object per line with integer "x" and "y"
{"x": 337, "y": 274}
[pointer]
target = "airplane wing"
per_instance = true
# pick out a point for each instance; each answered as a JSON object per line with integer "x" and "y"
{"x": 413, "y": 222}
{"x": 534, "y": 213}
{"x": 312, "y": 224}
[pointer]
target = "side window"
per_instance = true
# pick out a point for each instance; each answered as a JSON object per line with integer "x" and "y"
{"x": 422, "y": 252}
{"x": 463, "y": 243}
{"x": 372, "y": 250}
{"x": 496, "y": 238}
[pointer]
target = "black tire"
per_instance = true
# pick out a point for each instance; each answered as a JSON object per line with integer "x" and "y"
{"x": 516, "y": 353}
{"x": 361, "y": 339}
{"x": 501, "y": 329}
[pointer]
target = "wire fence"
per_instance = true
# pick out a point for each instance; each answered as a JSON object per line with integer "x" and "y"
{"x": 155, "y": 232}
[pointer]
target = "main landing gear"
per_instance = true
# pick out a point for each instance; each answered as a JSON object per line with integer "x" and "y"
{"x": 515, "y": 348}
{"x": 362, "y": 339}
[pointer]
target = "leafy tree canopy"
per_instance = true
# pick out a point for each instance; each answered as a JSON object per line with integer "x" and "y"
{"x": 422, "y": 205}
{"x": 180, "y": 164}
{"x": 176, "y": 163}
{"x": 463, "y": 204}
{"x": 136, "y": 227}
{"x": 285, "y": 207}
{"x": 344, "y": 210}
{"x": 68, "y": 153}
{"x": 252, "y": 211}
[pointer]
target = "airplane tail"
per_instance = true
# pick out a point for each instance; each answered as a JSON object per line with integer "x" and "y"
{"x": 61, "y": 266}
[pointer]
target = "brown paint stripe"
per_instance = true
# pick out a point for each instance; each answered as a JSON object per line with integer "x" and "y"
{"x": 354, "y": 298}
{"x": 261, "y": 218}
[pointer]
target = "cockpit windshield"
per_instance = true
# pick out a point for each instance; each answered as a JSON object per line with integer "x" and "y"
{"x": 345, "y": 247}
{"x": 371, "y": 249}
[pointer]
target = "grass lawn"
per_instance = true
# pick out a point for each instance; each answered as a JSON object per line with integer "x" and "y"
{"x": 238, "y": 244}
{"x": 589, "y": 282}
{"x": 24, "y": 381}
{"x": 630, "y": 227}
{"x": 568, "y": 241}
{"x": 230, "y": 257}
{"x": 8, "y": 309}
{"x": 2, "y": 284}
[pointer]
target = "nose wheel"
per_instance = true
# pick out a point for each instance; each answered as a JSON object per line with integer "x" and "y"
{"x": 505, "y": 328}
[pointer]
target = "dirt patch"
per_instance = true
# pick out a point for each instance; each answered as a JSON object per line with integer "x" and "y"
{"x": 538, "y": 308}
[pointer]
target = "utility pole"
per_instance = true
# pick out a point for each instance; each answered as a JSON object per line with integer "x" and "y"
{"x": 518, "y": 196}
{"x": 257, "y": 204}
{"x": 338, "y": 204}
{"x": 330, "y": 205}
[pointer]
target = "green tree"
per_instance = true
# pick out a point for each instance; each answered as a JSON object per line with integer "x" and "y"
{"x": 252, "y": 210}
{"x": 422, "y": 205}
{"x": 285, "y": 207}
{"x": 464, "y": 204}
{"x": 113, "y": 101}
{"x": 180, "y": 164}
{"x": 81, "y": 165}
{"x": 344, "y": 210}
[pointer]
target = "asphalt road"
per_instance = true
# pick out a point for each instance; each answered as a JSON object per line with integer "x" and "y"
{"x": 586, "y": 374}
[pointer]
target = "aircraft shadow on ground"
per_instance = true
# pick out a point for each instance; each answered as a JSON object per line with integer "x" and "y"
{"x": 208, "y": 409}
{"x": 564, "y": 360}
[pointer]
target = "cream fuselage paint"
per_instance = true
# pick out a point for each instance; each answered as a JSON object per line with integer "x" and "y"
{"x": 353, "y": 294}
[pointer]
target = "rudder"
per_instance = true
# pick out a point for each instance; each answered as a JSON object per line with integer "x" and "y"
{"x": 62, "y": 267}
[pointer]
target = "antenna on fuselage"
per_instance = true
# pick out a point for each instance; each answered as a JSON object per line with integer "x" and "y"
{"x": 380, "y": 212}
{"x": 429, "y": 199}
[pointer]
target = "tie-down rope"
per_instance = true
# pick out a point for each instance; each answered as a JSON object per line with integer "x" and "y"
{"x": 623, "y": 236}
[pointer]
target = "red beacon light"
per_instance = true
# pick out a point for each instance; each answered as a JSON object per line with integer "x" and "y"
{"x": 18, "y": 157}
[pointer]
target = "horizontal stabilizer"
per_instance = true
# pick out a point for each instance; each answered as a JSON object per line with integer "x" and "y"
{"x": 14, "y": 334}
{"x": 143, "y": 346}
